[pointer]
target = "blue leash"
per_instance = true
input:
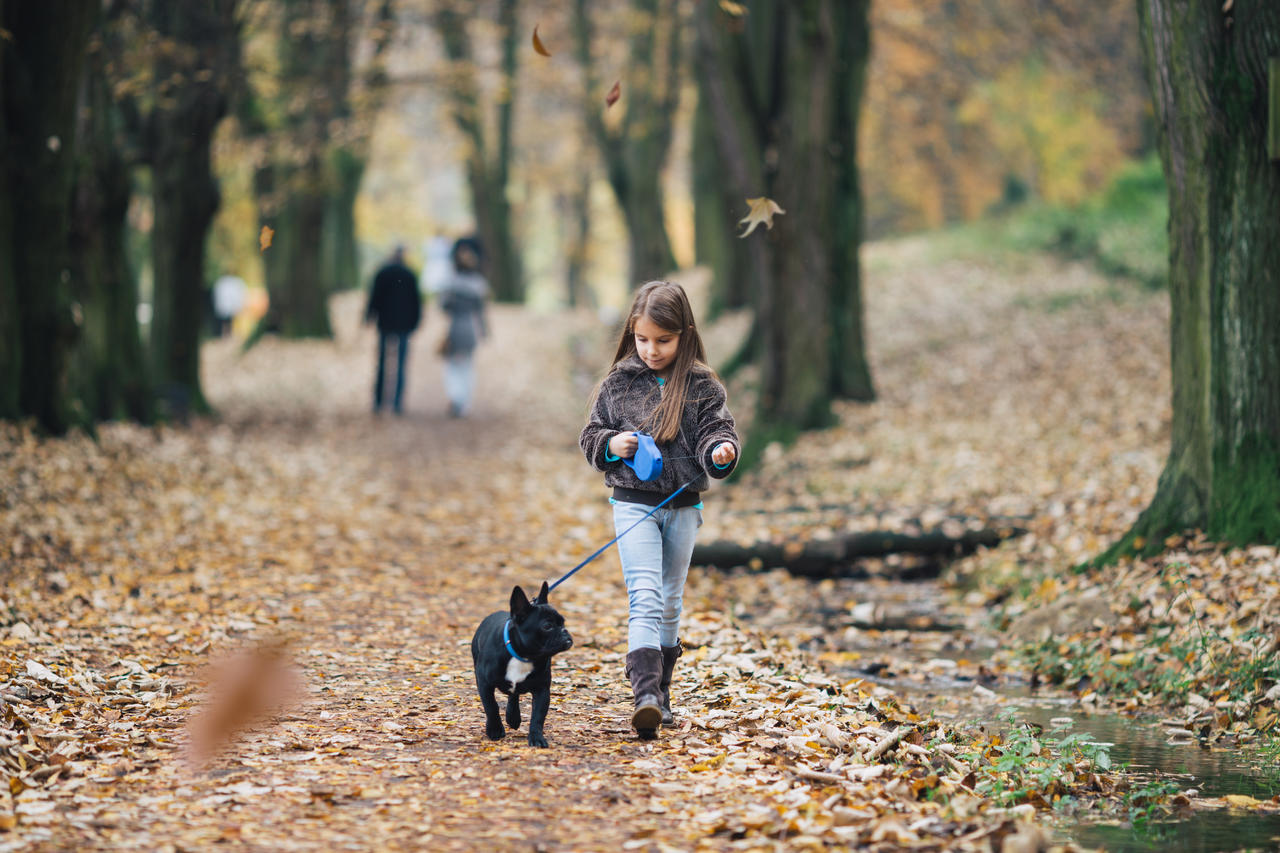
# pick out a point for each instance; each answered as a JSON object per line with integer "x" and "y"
{"x": 603, "y": 547}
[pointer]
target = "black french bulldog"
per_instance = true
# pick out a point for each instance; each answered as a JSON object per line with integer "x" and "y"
{"x": 512, "y": 652}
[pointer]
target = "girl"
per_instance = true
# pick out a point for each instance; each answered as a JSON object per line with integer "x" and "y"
{"x": 659, "y": 383}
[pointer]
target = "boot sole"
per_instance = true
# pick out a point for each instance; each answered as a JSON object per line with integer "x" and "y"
{"x": 646, "y": 720}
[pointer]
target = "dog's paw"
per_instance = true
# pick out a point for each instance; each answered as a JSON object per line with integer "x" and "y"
{"x": 537, "y": 740}
{"x": 513, "y": 718}
{"x": 495, "y": 732}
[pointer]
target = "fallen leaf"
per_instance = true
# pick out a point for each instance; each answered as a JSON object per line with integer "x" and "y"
{"x": 761, "y": 211}
{"x": 538, "y": 46}
{"x": 1242, "y": 801}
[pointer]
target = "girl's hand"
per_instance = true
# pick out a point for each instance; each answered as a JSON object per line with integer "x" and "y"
{"x": 624, "y": 444}
{"x": 723, "y": 454}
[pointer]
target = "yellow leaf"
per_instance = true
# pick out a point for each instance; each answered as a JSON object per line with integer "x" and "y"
{"x": 264, "y": 237}
{"x": 1241, "y": 800}
{"x": 735, "y": 9}
{"x": 538, "y": 46}
{"x": 761, "y": 211}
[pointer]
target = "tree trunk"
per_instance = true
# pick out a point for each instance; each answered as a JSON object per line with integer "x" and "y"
{"x": 822, "y": 558}
{"x": 296, "y": 189}
{"x": 850, "y": 370}
{"x": 340, "y": 260}
{"x": 575, "y": 214}
{"x": 713, "y": 219}
{"x": 636, "y": 152}
{"x": 1208, "y": 72}
{"x": 786, "y": 129}
{"x": 41, "y": 62}
{"x": 488, "y": 169}
{"x": 110, "y": 374}
{"x": 196, "y": 82}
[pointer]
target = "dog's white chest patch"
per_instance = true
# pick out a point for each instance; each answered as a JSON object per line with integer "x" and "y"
{"x": 518, "y": 671}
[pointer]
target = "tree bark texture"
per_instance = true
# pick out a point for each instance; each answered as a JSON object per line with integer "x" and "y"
{"x": 635, "y": 149}
{"x": 299, "y": 188}
{"x": 193, "y": 87}
{"x": 1208, "y": 73}
{"x": 110, "y": 376}
{"x": 488, "y": 162}
{"x": 41, "y": 62}
{"x": 713, "y": 218}
{"x": 782, "y": 86}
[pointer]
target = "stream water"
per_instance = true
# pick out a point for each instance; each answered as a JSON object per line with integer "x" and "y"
{"x": 930, "y": 661}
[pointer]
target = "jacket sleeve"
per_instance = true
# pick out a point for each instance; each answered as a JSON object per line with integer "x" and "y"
{"x": 715, "y": 425}
{"x": 600, "y": 428}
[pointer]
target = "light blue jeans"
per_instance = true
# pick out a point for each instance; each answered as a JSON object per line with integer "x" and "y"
{"x": 655, "y": 563}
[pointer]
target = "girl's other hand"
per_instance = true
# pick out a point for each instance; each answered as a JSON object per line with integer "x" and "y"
{"x": 723, "y": 454}
{"x": 624, "y": 444}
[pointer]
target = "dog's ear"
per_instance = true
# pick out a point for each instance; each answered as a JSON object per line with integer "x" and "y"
{"x": 519, "y": 603}
{"x": 542, "y": 594}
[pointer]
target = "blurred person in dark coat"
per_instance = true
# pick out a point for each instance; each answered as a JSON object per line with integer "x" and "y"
{"x": 396, "y": 305}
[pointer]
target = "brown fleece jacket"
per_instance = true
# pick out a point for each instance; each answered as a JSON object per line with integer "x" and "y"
{"x": 627, "y": 398}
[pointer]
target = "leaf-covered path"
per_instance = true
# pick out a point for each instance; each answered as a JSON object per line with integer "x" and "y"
{"x": 373, "y": 546}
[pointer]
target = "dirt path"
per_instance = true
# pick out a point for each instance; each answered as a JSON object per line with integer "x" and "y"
{"x": 377, "y": 544}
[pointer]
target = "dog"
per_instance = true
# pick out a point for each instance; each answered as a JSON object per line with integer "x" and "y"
{"x": 512, "y": 652}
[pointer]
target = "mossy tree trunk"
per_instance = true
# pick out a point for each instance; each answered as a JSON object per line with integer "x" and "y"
{"x": 41, "y": 60}
{"x": 783, "y": 85}
{"x": 1208, "y": 73}
{"x": 713, "y": 217}
{"x": 488, "y": 140}
{"x": 634, "y": 149}
{"x": 194, "y": 81}
{"x": 110, "y": 375}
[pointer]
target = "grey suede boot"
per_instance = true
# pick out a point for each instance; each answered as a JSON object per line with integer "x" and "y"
{"x": 644, "y": 668}
{"x": 669, "y": 655}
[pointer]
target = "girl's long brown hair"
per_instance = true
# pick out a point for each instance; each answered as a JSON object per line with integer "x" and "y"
{"x": 667, "y": 306}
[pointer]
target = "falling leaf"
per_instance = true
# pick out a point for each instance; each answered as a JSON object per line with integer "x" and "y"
{"x": 761, "y": 211}
{"x": 264, "y": 237}
{"x": 242, "y": 690}
{"x": 1226, "y": 7}
{"x": 735, "y": 9}
{"x": 614, "y": 93}
{"x": 538, "y": 46}
{"x": 6, "y": 35}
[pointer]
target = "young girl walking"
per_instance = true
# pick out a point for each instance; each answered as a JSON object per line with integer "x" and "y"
{"x": 659, "y": 384}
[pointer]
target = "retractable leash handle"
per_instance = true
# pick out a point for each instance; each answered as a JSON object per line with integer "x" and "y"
{"x": 603, "y": 547}
{"x": 647, "y": 460}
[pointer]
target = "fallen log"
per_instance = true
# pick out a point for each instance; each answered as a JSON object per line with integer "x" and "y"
{"x": 820, "y": 558}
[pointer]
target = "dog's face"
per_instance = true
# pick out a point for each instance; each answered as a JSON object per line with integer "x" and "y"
{"x": 539, "y": 625}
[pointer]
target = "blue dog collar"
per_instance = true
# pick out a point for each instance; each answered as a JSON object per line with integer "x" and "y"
{"x": 506, "y": 639}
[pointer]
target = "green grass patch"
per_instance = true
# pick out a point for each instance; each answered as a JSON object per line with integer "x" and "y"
{"x": 1123, "y": 230}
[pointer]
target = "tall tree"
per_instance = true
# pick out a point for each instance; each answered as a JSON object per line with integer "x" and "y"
{"x": 110, "y": 375}
{"x": 42, "y": 50}
{"x": 783, "y": 84}
{"x": 635, "y": 146}
{"x": 296, "y": 184}
{"x": 314, "y": 117}
{"x": 1208, "y": 70}
{"x": 488, "y": 141}
{"x": 197, "y": 67}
